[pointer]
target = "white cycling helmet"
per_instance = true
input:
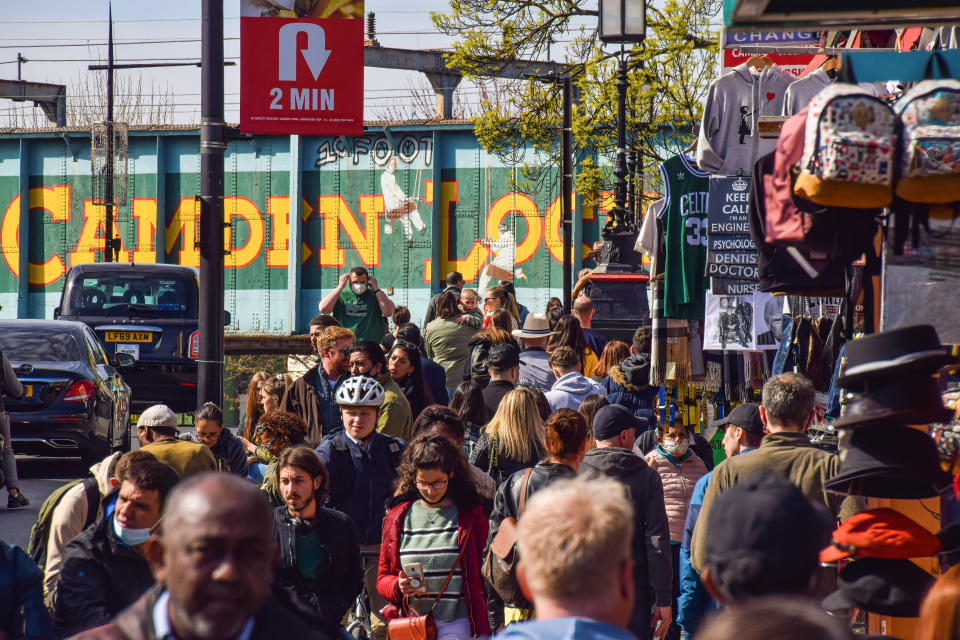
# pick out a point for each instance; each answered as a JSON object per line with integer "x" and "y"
{"x": 360, "y": 391}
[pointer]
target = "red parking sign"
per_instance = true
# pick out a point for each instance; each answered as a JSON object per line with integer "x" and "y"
{"x": 301, "y": 76}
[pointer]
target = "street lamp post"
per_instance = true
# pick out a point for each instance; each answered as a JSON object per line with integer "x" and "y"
{"x": 621, "y": 21}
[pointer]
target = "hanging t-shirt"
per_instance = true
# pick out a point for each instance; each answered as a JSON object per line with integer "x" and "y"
{"x": 360, "y": 314}
{"x": 684, "y": 221}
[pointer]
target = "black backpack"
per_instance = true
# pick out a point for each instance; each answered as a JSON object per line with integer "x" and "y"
{"x": 40, "y": 533}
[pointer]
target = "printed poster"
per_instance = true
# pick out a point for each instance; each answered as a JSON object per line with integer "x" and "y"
{"x": 751, "y": 322}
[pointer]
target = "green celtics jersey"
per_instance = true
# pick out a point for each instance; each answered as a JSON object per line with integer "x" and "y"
{"x": 684, "y": 221}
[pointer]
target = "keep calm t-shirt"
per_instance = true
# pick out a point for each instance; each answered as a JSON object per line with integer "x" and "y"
{"x": 360, "y": 314}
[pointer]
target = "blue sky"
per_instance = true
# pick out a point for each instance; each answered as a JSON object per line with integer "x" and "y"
{"x": 55, "y": 23}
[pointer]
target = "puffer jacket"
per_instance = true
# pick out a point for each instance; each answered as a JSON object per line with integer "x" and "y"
{"x": 627, "y": 384}
{"x": 678, "y": 484}
{"x": 570, "y": 389}
{"x": 472, "y": 520}
{"x": 22, "y": 614}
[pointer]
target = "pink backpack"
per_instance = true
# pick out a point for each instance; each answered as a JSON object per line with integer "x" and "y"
{"x": 786, "y": 224}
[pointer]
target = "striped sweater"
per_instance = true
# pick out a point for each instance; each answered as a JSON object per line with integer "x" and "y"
{"x": 429, "y": 536}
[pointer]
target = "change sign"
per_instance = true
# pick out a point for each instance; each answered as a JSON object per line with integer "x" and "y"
{"x": 298, "y": 74}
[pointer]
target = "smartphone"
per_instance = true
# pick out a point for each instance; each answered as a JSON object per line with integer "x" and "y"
{"x": 414, "y": 570}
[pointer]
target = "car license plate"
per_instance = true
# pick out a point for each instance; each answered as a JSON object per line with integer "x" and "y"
{"x": 128, "y": 336}
{"x": 28, "y": 391}
{"x": 132, "y": 349}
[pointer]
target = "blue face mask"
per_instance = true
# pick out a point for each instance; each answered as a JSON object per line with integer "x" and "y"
{"x": 130, "y": 537}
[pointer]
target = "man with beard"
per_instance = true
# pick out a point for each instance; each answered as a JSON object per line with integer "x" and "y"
{"x": 213, "y": 563}
{"x": 319, "y": 557}
{"x": 311, "y": 395}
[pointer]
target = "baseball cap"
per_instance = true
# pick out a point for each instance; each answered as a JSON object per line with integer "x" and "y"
{"x": 159, "y": 415}
{"x": 503, "y": 356}
{"x": 766, "y": 524}
{"x": 613, "y": 419}
{"x": 880, "y": 533}
{"x": 746, "y": 416}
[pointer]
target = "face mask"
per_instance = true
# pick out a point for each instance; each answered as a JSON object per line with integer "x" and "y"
{"x": 359, "y": 288}
{"x": 130, "y": 537}
{"x": 676, "y": 448}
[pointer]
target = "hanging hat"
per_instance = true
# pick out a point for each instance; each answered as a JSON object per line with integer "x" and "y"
{"x": 880, "y": 533}
{"x": 949, "y": 537}
{"x": 889, "y": 461}
{"x": 535, "y": 326}
{"x": 880, "y": 356}
{"x": 915, "y": 400}
{"x": 880, "y": 585}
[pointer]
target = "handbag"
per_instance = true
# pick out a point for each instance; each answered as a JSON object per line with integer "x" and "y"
{"x": 500, "y": 565}
{"x": 417, "y": 626}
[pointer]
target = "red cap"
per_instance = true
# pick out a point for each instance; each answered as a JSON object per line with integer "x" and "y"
{"x": 880, "y": 533}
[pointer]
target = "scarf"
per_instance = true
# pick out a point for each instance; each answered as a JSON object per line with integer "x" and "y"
{"x": 674, "y": 461}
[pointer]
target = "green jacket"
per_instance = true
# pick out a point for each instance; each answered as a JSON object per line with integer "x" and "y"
{"x": 447, "y": 344}
{"x": 788, "y": 455}
{"x": 396, "y": 418}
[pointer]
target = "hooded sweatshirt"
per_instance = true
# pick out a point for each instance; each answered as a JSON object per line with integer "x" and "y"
{"x": 651, "y": 535}
{"x": 728, "y": 133}
{"x": 68, "y": 518}
{"x": 570, "y": 389}
{"x": 627, "y": 385}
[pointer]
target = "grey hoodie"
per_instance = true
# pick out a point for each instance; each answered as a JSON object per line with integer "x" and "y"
{"x": 802, "y": 91}
{"x": 735, "y": 101}
{"x": 570, "y": 389}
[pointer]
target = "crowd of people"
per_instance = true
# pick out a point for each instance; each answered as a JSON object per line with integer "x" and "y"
{"x": 502, "y": 471}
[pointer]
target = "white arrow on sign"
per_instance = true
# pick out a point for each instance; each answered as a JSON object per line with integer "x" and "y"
{"x": 316, "y": 54}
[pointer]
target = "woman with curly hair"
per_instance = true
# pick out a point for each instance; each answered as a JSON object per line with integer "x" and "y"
{"x": 436, "y": 522}
{"x": 278, "y": 431}
{"x": 254, "y": 406}
{"x": 272, "y": 391}
{"x": 513, "y": 439}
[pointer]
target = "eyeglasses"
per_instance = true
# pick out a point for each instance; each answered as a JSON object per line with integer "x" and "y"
{"x": 207, "y": 436}
{"x": 439, "y": 484}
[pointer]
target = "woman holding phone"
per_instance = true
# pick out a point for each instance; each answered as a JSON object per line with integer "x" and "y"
{"x": 433, "y": 537}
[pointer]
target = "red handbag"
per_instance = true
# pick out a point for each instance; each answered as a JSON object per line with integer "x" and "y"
{"x": 416, "y": 626}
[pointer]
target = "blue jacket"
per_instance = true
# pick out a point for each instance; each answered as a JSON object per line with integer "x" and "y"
{"x": 230, "y": 454}
{"x": 361, "y": 479}
{"x": 626, "y": 384}
{"x": 571, "y": 628}
{"x": 436, "y": 378}
{"x": 21, "y": 596}
{"x": 694, "y": 601}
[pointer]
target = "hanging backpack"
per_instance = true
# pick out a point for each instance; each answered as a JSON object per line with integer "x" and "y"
{"x": 40, "y": 533}
{"x": 849, "y": 149}
{"x": 930, "y": 145}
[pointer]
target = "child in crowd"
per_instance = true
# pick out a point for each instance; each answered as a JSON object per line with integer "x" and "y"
{"x": 469, "y": 304}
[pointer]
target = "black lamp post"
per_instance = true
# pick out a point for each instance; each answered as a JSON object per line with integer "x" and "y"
{"x": 621, "y": 21}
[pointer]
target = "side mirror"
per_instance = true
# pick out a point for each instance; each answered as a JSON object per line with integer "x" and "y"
{"x": 56, "y": 312}
{"x": 226, "y": 318}
{"x": 121, "y": 360}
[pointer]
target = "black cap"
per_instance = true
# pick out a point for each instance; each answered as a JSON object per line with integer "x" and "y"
{"x": 503, "y": 356}
{"x": 891, "y": 587}
{"x": 612, "y": 420}
{"x": 762, "y": 530}
{"x": 746, "y": 416}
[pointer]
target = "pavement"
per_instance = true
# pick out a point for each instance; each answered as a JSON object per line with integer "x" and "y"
{"x": 38, "y": 479}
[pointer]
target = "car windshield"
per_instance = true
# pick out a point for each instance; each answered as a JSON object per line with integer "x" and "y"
{"x": 133, "y": 294}
{"x": 38, "y": 344}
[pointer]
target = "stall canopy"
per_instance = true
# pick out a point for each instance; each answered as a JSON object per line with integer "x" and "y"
{"x": 767, "y": 15}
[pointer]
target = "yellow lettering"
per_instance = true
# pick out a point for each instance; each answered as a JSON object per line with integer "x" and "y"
{"x": 235, "y": 207}
{"x": 335, "y": 213}
{"x": 477, "y": 256}
{"x": 527, "y": 208}
{"x": 55, "y": 201}
{"x": 183, "y": 225}
{"x": 92, "y": 239}
{"x": 145, "y": 213}
{"x": 278, "y": 208}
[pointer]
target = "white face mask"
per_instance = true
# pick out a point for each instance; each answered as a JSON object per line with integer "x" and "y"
{"x": 359, "y": 288}
{"x": 674, "y": 447}
{"x": 130, "y": 537}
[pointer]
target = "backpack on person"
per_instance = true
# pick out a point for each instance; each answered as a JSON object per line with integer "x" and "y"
{"x": 930, "y": 144}
{"x": 500, "y": 565}
{"x": 40, "y": 533}
{"x": 849, "y": 149}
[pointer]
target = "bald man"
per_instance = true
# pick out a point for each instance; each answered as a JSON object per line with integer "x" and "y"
{"x": 213, "y": 563}
{"x": 583, "y": 311}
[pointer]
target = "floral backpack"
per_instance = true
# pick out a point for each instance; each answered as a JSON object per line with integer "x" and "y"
{"x": 930, "y": 145}
{"x": 849, "y": 149}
